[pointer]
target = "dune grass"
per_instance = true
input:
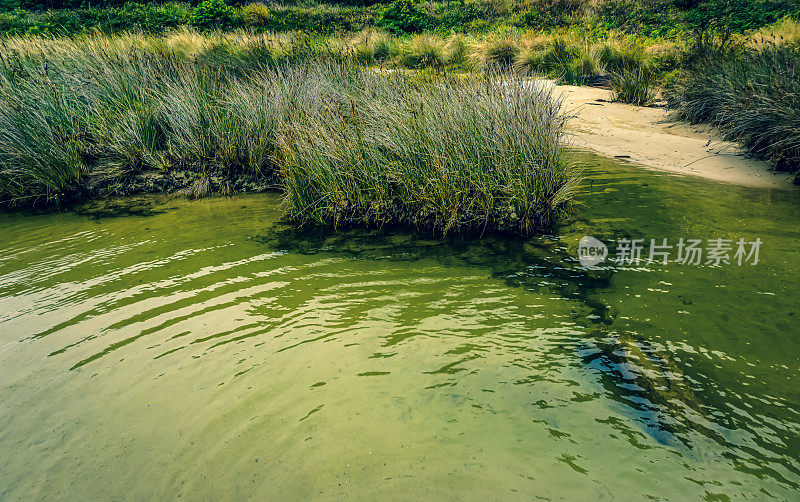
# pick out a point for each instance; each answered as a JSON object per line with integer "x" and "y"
{"x": 423, "y": 51}
{"x": 349, "y": 144}
{"x": 751, "y": 94}
{"x": 635, "y": 86}
{"x": 449, "y": 157}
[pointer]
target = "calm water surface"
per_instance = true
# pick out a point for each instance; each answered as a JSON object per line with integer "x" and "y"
{"x": 207, "y": 352}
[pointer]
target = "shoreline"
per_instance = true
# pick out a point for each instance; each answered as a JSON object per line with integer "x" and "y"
{"x": 645, "y": 136}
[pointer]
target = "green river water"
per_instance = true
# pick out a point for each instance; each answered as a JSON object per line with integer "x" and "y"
{"x": 206, "y": 352}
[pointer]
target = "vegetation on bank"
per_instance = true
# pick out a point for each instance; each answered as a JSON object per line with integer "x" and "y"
{"x": 439, "y": 129}
{"x": 445, "y": 156}
{"x": 350, "y": 145}
{"x": 750, "y": 90}
{"x": 653, "y": 18}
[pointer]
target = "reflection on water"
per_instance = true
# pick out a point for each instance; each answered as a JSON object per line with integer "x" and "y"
{"x": 200, "y": 349}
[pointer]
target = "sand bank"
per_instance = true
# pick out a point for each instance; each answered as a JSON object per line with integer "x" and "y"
{"x": 645, "y": 136}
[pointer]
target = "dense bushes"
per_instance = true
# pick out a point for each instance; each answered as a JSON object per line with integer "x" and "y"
{"x": 739, "y": 15}
{"x": 155, "y": 18}
{"x": 149, "y": 17}
{"x": 651, "y": 17}
{"x": 404, "y": 16}
{"x": 544, "y": 14}
{"x": 213, "y": 14}
{"x": 751, "y": 95}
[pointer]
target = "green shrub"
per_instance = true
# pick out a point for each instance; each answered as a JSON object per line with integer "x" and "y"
{"x": 459, "y": 16}
{"x": 545, "y": 14}
{"x": 739, "y": 15}
{"x": 404, "y": 16}
{"x": 256, "y": 14}
{"x": 213, "y": 14}
{"x": 149, "y": 17}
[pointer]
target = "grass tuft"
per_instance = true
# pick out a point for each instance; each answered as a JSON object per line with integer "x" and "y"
{"x": 349, "y": 144}
{"x": 423, "y": 51}
{"x": 634, "y": 86}
{"x": 496, "y": 53}
{"x": 752, "y": 97}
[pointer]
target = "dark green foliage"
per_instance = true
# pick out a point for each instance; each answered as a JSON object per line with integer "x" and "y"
{"x": 213, "y": 14}
{"x": 323, "y": 19}
{"x": 660, "y": 16}
{"x": 544, "y": 14}
{"x": 151, "y": 17}
{"x": 656, "y": 18}
{"x": 457, "y": 16}
{"x": 404, "y": 16}
{"x": 739, "y": 15}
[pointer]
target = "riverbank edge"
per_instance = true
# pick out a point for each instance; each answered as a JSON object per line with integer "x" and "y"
{"x": 648, "y": 137}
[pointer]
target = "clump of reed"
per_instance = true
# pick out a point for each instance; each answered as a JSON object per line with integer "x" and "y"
{"x": 571, "y": 60}
{"x": 374, "y": 46}
{"x": 634, "y": 68}
{"x": 636, "y": 86}
{"x": 446, "y": 157}
{"x": 43, "y": 137}
{"x": 751, "y": 95}
{"x": 621, "y": 54}
{"x": 496, "y": 53}
{"x": 423, "y": 51}
{"x": 350, "y": 145}
{"x": 99, "y": 111}
{"x": 457, "y": 50}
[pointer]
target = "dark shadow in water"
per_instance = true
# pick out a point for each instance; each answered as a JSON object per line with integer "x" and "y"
{"x": 148, "y": 205}
{"x": 540, "y": 264}
{"x": 633, "y": 370}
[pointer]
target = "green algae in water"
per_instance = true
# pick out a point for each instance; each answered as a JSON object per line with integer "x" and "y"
{"x": 206, "y": 352}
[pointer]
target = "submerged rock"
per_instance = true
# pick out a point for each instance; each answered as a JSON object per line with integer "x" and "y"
{"x": 645, "y": 375}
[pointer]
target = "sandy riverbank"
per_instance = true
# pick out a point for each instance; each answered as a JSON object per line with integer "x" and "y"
{"x": 645, "y": 136}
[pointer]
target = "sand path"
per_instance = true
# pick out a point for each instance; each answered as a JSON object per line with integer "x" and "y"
{"x": 645, "y": 136}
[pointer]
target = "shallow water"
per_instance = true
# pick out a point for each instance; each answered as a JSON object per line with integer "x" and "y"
{"x": 207, "y": 352}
